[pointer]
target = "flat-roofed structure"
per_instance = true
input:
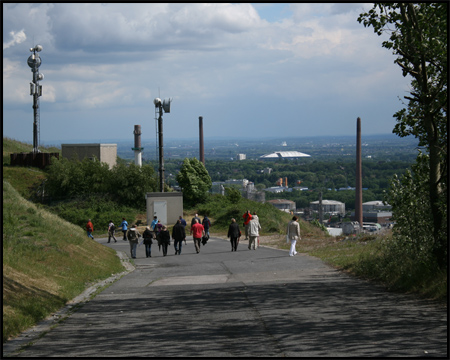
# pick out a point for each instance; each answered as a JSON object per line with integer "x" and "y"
{"x": 106, "y": 153}
{"x": 284, "y": 155}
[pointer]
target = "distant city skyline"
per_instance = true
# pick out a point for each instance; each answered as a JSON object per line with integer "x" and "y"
{"x": 250, "y": 70}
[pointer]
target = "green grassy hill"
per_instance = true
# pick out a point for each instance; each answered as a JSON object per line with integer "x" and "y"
{"x": 14, "y": 146}
{"x": 46, "y": 262}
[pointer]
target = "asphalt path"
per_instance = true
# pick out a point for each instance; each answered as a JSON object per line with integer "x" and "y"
{"x": 249, "y": 303}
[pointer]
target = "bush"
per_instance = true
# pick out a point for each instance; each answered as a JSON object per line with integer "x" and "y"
{"x": 99, "y": 210}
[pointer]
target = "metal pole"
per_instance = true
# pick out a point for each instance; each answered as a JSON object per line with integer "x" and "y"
{"x": 161, "y": 153}
{"x": 35, "y": 122}
{"x": 202, "y": 149}
{"x": 358, "y": 186}
{"x": 320, "y": 208}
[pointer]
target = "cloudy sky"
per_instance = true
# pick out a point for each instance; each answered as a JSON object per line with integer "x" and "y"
{"x": 251, "y": 70}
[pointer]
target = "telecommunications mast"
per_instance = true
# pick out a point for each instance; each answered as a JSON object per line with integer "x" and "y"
{"x": 159, "y": 107}
{"x": 34, "y": 61}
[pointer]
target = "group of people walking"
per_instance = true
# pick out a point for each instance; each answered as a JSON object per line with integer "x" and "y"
{"x": 199, "y": 231}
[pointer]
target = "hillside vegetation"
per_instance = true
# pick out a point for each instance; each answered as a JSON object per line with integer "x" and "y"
{"x": 46, "y": 262}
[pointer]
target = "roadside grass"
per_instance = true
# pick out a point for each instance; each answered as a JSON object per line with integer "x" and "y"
{"x": 46, "y": 262}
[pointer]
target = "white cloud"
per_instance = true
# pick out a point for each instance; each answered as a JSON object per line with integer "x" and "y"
{"x": 17, "y": 38}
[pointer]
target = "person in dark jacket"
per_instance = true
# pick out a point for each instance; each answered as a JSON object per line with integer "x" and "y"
{"x": 164, "y": 239}
{"x": 178, "y": 235}
{"x": 206, "y": 225}
{"x": 148, "y": 236}
{"x": 234, "y": 233}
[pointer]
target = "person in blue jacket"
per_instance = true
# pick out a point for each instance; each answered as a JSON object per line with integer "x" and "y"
{"x": 124, "y": 226}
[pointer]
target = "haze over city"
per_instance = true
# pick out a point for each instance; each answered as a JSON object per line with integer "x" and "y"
{"x": 250, "y": 70}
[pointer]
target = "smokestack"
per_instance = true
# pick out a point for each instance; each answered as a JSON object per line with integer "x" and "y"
{"x": 137, "y": 146}
{"x": 358, "y": 186}
{"x": 202, "y": 149}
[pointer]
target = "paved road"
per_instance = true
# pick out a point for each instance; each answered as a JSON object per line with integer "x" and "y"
{"x": 244, "y": 303}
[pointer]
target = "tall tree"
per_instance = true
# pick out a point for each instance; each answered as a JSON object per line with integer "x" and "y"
{"x": 418, "y": 36}
{"x": 194, "y": 180}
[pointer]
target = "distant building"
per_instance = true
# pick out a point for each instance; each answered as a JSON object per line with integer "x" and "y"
{"x": 329, "y": 206}
{"x": 106, "y": 153}
{"x": 283, "y": 205}
{"x": 275, "y": 189}
{"x": 379, "y": 217}
{"x": 376, "y": 205}
{"x": 248, "y": 190}
{"x": 241, "y": 156}
{"x": 284, "y": 155}
{"x": 376, "y": 212}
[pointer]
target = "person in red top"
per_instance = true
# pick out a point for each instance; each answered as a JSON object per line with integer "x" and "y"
{"x": 247, "y": 217}
{"x": 90, "y": 229}
{"x": 197, "y": 231}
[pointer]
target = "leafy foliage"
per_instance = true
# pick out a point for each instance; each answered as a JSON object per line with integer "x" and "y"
{"x": 233, "y": 195}
{"x": 127, "y": 185}
{"x": 194, "y": 180}
{"x": 418, "y": 36}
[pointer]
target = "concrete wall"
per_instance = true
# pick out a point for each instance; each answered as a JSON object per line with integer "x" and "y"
{"x": 106, "y": 153}
{"x": 167, "y": 206}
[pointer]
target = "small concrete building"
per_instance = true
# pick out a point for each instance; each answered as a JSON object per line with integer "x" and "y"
{"x": 106, "y": 153}
{"x": 167, "y": 206}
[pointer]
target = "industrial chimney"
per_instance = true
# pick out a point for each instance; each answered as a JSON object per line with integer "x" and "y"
{"x": 202, "y": 149}
{"x": 137, "y": 146}
{"x": 358, "y": 186}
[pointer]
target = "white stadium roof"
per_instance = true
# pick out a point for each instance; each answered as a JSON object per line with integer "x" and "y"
{"x": 284, "y": 154}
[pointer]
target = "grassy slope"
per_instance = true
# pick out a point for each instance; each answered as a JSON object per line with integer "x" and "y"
{"x": 46, "y": 262}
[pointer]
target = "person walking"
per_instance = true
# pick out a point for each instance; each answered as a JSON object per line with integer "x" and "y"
{"x": 158, "y": 227}
{"x": 111, "y": 231}
{"x": 183, "y": 222}
{"x": 196, "y": 218}
{"x": 178, "y": 235}
{"x": 293, "y": 234}
{"x": 234, "y": 233}
{"x": 90, "y": 229}
{"x": 148, "y": 241}
{"x": 153, "y": 224}
{"x": 124, "y": 227}
{"x": 206, "y": 225}
{"x": 133, "y": 236}
{"x": 164, "y": 238}
{"x": 253, "y": 232}
{"x": 197, "y": 231}
{"x": 247, "y": 217}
